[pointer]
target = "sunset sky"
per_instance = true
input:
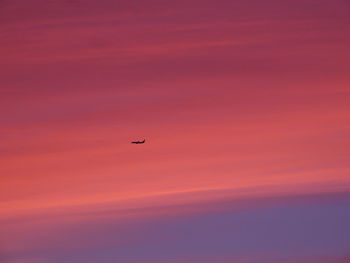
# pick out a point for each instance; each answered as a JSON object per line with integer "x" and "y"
{"x": 245, "y": 108}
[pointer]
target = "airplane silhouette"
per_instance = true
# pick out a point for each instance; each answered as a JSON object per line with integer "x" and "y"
{"x": 139, "y": 142}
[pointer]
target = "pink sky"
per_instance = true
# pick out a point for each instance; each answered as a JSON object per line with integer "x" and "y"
{"x": 236, "y": 99}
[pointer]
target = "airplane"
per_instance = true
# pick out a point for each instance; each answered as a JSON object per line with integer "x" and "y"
{"x": 139, "y": 142}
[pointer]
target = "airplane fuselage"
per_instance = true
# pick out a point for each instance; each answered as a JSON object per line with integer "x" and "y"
{"x": 139, "y": 142}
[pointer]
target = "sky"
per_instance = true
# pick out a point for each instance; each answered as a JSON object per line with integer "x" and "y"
{"x": 245, "y": 108}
